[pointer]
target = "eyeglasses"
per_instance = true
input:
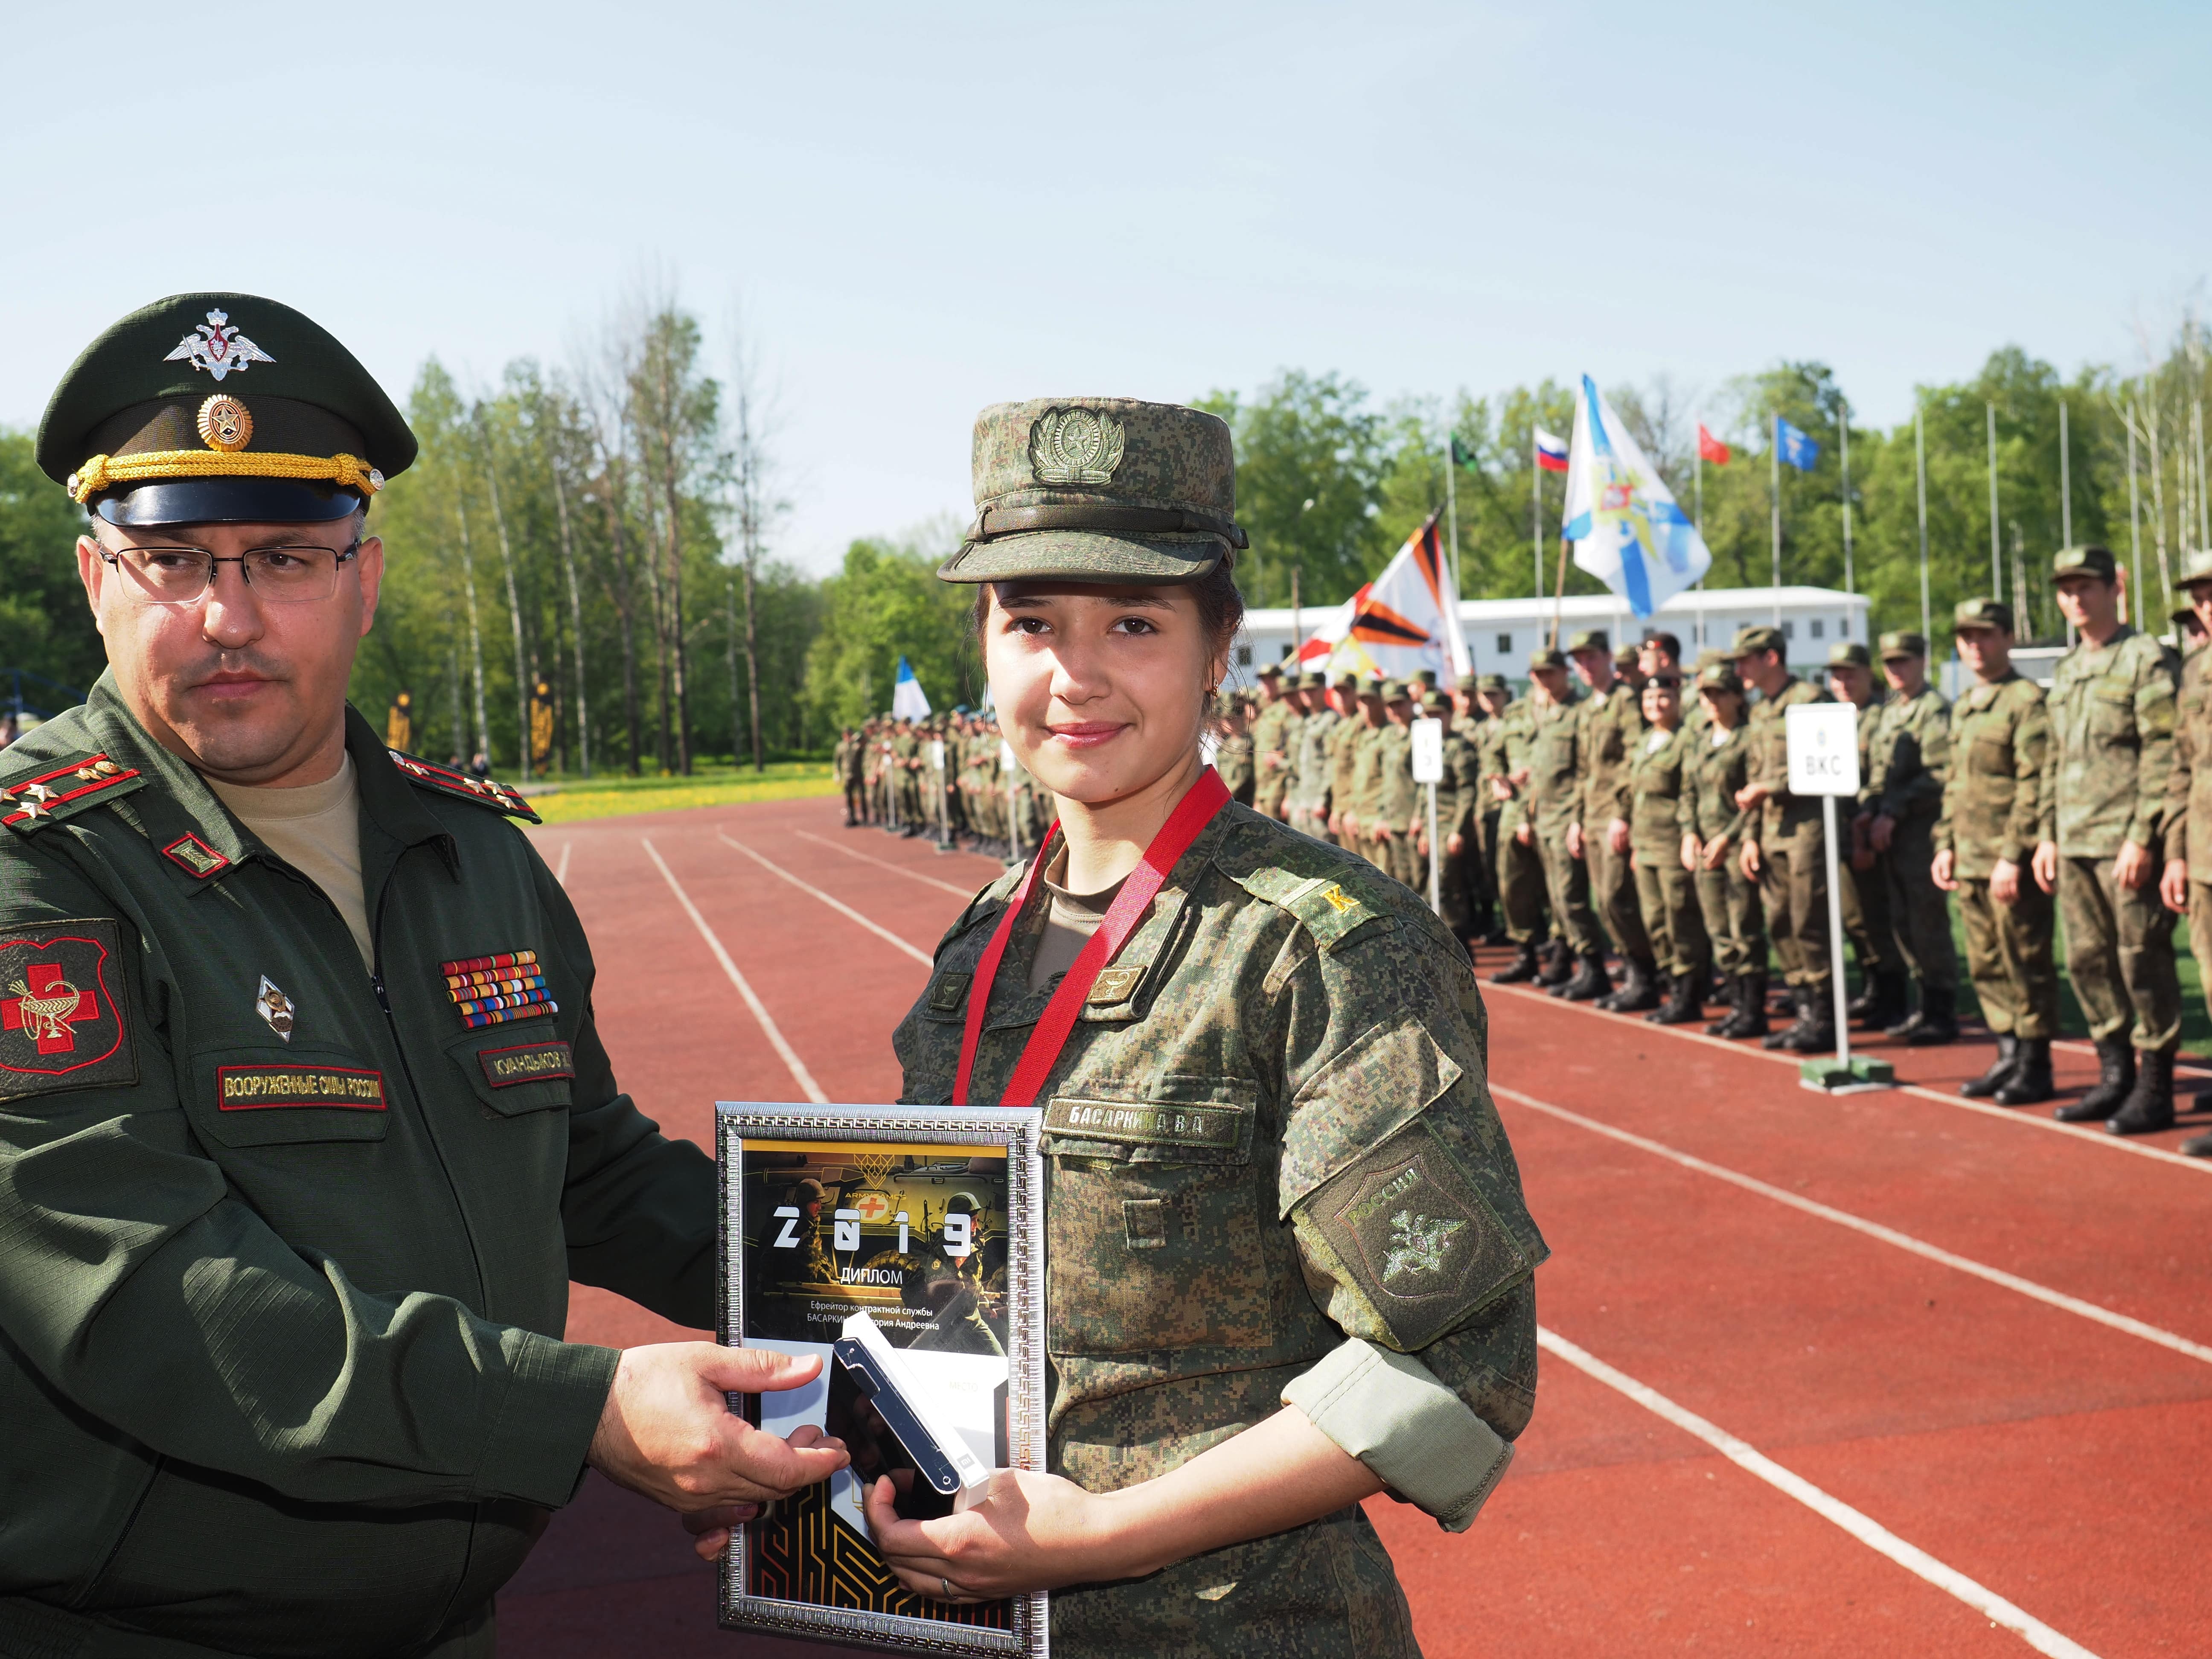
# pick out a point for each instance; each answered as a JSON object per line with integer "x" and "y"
{"x": 182, "y": 575}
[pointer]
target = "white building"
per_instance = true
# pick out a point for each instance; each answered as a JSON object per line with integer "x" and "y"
{"x": 1501, "y": 633}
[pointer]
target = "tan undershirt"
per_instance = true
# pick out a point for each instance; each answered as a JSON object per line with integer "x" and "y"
{"x": 316, "y": 830}
{"x": 1070, "y": 920}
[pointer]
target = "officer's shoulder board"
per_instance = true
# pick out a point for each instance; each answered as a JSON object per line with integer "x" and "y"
{"x": 444, "y": 781}
{"x": 54, "y": 788}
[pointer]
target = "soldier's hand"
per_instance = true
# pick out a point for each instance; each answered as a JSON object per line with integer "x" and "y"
{"x": 1454, "y": 844}
{"x": 1616, "y": 837}
{"x": 1691, "y": 853}
{"x": 1500, "y": 788}
{"x": 1574, "y": 841}
{"x": 1749, "y": 861}
{"x": 1751, "y": 795}
{"x": 1717, "y": 852}
{"x": 667, "y": 1431}
{"x": 1940, "y": 873}
{"x": 2046, "y": 865}
{"x": 2004, "y": 882}
{"x": 2173, "y": 886}
{"x": 1522, "y": 835}
{"x": 2131, "y": 868}
{"x": 1883, "y": 831}
{"x": 1031, "y": 1531}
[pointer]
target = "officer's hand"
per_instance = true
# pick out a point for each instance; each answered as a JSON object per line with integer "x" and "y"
{"x": 2046, "y": 865}
{"x": 1522, "y": 836}
{"x": 1574, "y": 841}
{"x": 1941, "y": 871}
{"x": 2132, "y": 867}
{"x": 1749, "y": 862}
{"x": 1883, "y": 832}
{"x": 667, "y": 1431}
{"x": 1616, "y": 836}
{"x": 2173, "y": 886}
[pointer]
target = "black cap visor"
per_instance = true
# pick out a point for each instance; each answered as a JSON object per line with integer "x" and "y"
{"x": 227, "y": 501}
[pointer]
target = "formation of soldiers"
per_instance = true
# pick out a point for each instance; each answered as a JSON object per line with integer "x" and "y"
{"x": 949, "y": 776}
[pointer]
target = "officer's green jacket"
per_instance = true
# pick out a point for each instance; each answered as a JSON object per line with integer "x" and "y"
{"x": 1991, "y": 796}
{"x": 1555, "y": 759}
{"x": 1612, "y": 725}
{"x": 1270, "y": 1133}
{"x": 1711, "y": 774}
{"x": 1767, "y": 731}
{"x": 2189, "y": 787}
{"x": 2111, "y": 745}
{"x": 1655, "y": 797}
{"x": 282, "y": 1294}
{"x": 1909, "y": 757}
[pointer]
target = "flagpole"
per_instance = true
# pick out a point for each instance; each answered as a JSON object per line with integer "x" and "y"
{"x": 1920, "y": 482}
{"x": 1451, "y": 504}
{"x": 1844, "y": 426}
{"x": 2065, "y": 480}
{"x": 1298, "y": 635}
{"x": 1536, "y": 519}
{"x": 2203, "y": 513}
{"x": 1775, "y": 446}
{"x": 2134, "y": 522}
{"x": 1996, "y": 567}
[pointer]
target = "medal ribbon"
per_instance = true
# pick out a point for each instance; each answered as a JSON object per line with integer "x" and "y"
{"x": 1199, "y": 806}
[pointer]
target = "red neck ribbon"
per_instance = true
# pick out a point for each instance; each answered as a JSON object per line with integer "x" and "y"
{"x": 1197, "y": 808}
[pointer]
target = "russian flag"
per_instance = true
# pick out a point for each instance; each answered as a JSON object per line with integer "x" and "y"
{"x": 1551, "y": 452}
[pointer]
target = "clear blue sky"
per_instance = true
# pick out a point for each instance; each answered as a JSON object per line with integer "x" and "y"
{"x": 926, "y": 208}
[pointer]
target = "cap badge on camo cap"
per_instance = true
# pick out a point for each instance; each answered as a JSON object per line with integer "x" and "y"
{"x": 1075, "y": 447}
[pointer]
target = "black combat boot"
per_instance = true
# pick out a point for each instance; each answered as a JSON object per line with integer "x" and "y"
{"x": 1640, "y": 988}
{"x": 1558, "y": 963}
{"x": 2116, "y": 1079}
{"x": 2030, "y": 1081}
{"x": 2196, "y": 1145}
{"x": 1814, "y": 1033}
{"x": 1801, "y": 1005}
{"x": 1681, "y": 1007}
{"x": 2000, "y": 1069}
{"x": 1937, "y": 1020}
{"x": 1749, "y": 1019}
{"x": 1590, "y": 981}
{"x": 1884, "y": 1004}
{"x": 1731, "y": 998}
{"x": 2149, "y": 1105}
{"x": 1525, "y": 967}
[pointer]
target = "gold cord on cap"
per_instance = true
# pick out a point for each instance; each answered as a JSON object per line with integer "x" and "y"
{"x": 106, "y": 472}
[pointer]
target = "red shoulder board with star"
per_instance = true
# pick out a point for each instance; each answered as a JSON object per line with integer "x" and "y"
{"x": 53, "y": 792}
{"x": 62, "y": 1023}
{"x": 484, "y": 792}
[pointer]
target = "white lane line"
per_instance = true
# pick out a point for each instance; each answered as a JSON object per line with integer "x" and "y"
{"x": 916, "y": 875}
{"x": 560, "y": 869}
{"x": 1869, "y": 1531}
{"x": 839, "y": 906}
{"x": 2032, "y": 1117}
{"x": 800, "y": 1075}
{"x": 2027, "y": 1287}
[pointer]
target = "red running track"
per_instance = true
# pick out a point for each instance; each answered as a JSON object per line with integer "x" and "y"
{"x": 1886, "y": 1374}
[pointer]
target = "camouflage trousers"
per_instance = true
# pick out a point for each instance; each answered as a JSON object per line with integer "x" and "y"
{"x": 2119, "y": 954}
{"x": 1567, "y": 885}
{"x": 1793, "y": 883}
{"x": 2008, "y": 957}
{"x": 1612, "y": 891}
{"x": 1667, "y": 895}
{"x": 1864, "y": 894}
{"x": 1734, "y": 919}
{"x": 1920, "y": 919}
{"x": 1521, "y": 890}
{"x": 2200, "y": 931}
{"x": 1323, "y": 1591}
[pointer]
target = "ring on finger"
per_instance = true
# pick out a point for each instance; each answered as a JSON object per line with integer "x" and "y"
{"x": 945, "y": 1584}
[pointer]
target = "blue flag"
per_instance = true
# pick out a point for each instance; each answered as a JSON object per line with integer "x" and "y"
{"x": 1798, "y": 450}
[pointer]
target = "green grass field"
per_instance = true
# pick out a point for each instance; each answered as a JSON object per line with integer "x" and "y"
{"x": 580, "y": 798}
{"x": 2195, "y": 1025}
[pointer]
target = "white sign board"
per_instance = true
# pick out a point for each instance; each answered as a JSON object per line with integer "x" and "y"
{"x": 1824, "y": 748}
{"x": 1005, "y": 756}
{"x": 937, "y": 755}
{"x": 1428, "y": 751}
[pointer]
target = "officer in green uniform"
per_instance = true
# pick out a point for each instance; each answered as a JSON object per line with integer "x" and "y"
{"x": 1555, "y": 766}
{"x": 2103, "y": 801}
{"x": 1782, "y": 848}
{"x": 1911, "y": 754}
{"x": 1666, "y": 888}
{"x": 1991, "y": 807}
{"x": 2185, "y": 884}
{"x": 1313, "y": 1279}
{"x": 1713, "y": 827}
{"x": 1518, "y": 861}
{"x": 308, "y": 1125}
{"x": 1863, "y": 892}
{"x": 1611, "y": 723}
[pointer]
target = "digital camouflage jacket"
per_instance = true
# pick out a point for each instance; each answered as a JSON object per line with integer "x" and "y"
{"x": 1655, "y": 791}
{"x": 1908, "y": 756}
{"x": 1612, "y": 726}
{"x": 1271, "y": 1130}
{"x": 2105, "y": 773}
{"x": 1992, "y": 794}
{"x": 1711, "y": 774}
{"x": 2189, "y": 787}
{"x": 1770, "y": 759}
{"x": 1554, "y": 754}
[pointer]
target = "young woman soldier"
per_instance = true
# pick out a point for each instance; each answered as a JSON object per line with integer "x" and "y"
{"x": 1289, "y": 1264}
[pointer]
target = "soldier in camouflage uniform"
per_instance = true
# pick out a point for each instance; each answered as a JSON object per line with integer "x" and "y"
{"x": 1344, "y": 755}
{"x": 1516, "y": 861}
{"x": 1911, "y": 754}
{"x": 1782, "y": 847}
{"x": 1272, "y": 738}
{"x": 846, "y": 765}
{"x": 1666, "y": 889}
{"x": 1402, "y": 806}
{"x": 2000, "y": 731}
{"x": 1233, "y": 759}
{"x": 1712, "y": 826}
{"x": 1863, "y": 891}
{"x": 2103, "y": 801}
{"x": 2185, "y": 884}
{"x": 1309, "y": 793}
{"x": 1485, "y": 732}
{"x": 1611, "y": 725}
{"x": 1363, "y": 811}
{"x": 1456, "y": 803}
{"x": 1555, "y": 765}
{"x": 1312, "y": 1278}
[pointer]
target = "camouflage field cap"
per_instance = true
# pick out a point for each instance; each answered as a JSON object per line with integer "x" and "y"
{"x": 1761, "y": 638}
{"x": 1492, "y": 683}
{"x": 1396, "y": 691}
{"x": 1547, "y": 656}
{"x": 1903, "y": 642}
{"x": 1427, "y": 677}
{"x": 221, "y": 408}
{"x": 1314, "y": 680}
{"x": 1590, "y": 639}
{"x": 1467, "y": 683}
{"x": 1708, "y": 656}
{"x": 2096, "y": 562}
{"x": 1627, "y": 657}
{"x": 1101, "y": 489}
{"x": 1981, "y": 613}
{"x": 1720, "y": 677}
{"x": 1848, "y": 653}
{"x": 1347, "y": 681}
{"x": 2197, "y": 568}
{"x": 1266, "y": 671}
{"x": 1436, "y": 702}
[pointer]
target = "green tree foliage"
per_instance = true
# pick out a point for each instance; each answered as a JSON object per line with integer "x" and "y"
{"x": 885, "y": 603}
{"x": 45, "y": 627}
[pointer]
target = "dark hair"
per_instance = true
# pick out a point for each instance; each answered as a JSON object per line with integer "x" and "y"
{"x": 1665, "y": 642}
{"x": 1220, "y": 606}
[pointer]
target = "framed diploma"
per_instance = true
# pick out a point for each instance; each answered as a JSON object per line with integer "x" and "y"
{"x": 904, "y": 1247}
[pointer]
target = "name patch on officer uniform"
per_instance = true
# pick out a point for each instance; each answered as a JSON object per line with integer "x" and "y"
{"x": 249, "y": 1088}
{"x": 1137, "y": 1123}
{"x": 1416, "y": 1236}
{"x": 61, "y": 1021}
{"x": 533, "y": 1062}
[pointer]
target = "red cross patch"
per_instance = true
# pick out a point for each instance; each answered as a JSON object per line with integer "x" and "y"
{"x": 60, "y": 1025}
